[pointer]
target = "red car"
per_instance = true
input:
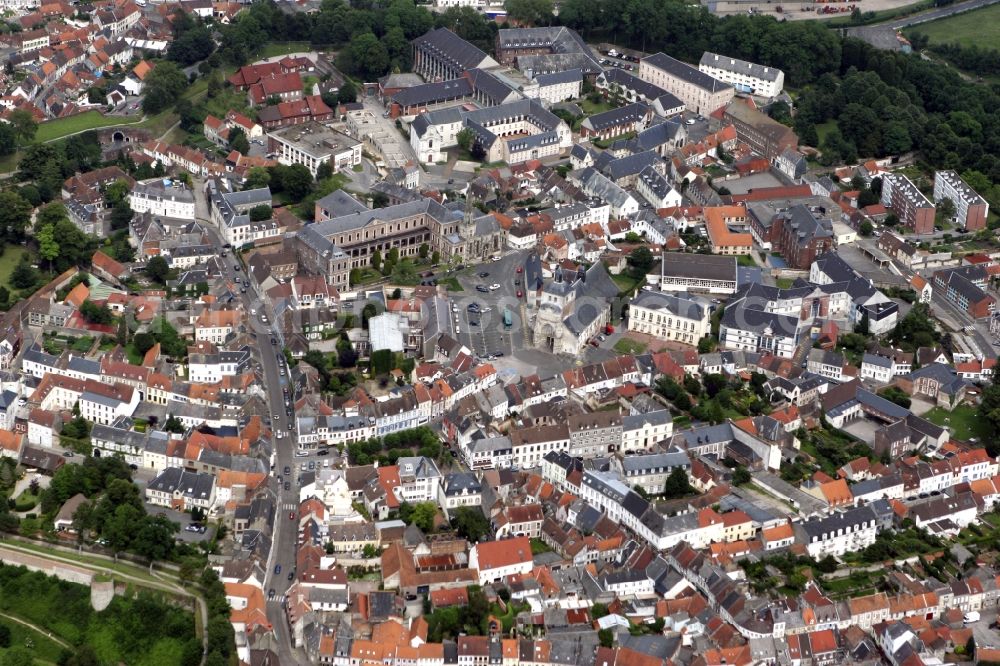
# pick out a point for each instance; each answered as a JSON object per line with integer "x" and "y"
{"x": 520, "y": 293}
{"x": 291, "y": 515}
{"x": 520, "y": 270}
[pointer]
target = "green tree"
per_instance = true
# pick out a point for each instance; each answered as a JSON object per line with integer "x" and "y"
{"x": 116, "y": 192}
{"x": 366, "y": 57}
{"x": 324, "y": 171}
{"x": 8, "y": 139}
{"x": 163, "y": 87}
{"x": 348, "y": 92}
{"x": 534, "y": 12}
{"x": 866, "y": 228}
{"x": 23, "y": 276}
{"x": 606, "y": 638}
{"x": 464, "y": 139}
{"x": 423, "y": 516}
{"x": 640, "y": 261}
{"x": 157, "y": 269}
{"x": 143, "y": 342}
{"x": 24, "y": 125}
{"x": 677, "y": 484}
{"x": 48, "y": 248}
{"x": 741, "y": 476}
{"x": 470, "y": 523}
{"x": 174, "y": 425}
{"x": 261, "y": 213}
{"x": 15, "y": 216}
{"x": 121, "y": 215}
{"x": 96, "y": 314}
{"x": 257, "y": 177}
{"x": 945, "y": 210}
{"x": 238, "y": 141}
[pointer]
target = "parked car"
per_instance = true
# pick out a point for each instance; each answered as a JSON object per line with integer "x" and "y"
{"x": 277, "y": 569}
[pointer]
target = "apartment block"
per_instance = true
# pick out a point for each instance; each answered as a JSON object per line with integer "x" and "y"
{"x": 971, "y": 209}
{"x": 904, "y": 199}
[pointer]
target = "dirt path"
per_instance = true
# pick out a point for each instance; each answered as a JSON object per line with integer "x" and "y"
{"x": 36, "y": 628}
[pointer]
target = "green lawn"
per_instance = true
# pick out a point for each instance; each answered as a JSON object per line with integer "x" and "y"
{"x": 590, "y": 109}
{"x": 41, "y": 647}
{"x": 56, "y": 129}
{"x": 626, "y": 283}
{"x": 452, "y": 284}
{"x": 963, "y": 421}
{"x": 9, "y": 260}
{"x": 26, "y": 501}
{"x": 627, "y": 346}
{"x": 980, "y": 27}
{"x": 825, "y": 128}
{"x": 284, "y": 48}
{"x": 746, "y": 260}
{"x": 784, "y": 283}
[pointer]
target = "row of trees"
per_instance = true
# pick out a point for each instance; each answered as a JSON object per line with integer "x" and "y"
{"x": 376, "y": 39}
{"x": 395, "y": 444}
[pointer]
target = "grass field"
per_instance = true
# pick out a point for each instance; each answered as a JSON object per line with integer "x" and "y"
{"x": 56, "y": 129}
{"x": 284, "y": 48}
{"x": 980, "y": 27}
{"x": 38, "y": 644}
{"x": 963, "y": 421}
{"x": 825, "y": 128}
{"x": 628, "y": 346}
{"x": 9, "y": 260}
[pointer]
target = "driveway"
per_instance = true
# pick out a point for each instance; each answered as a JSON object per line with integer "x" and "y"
{"x": 183, "y": 519}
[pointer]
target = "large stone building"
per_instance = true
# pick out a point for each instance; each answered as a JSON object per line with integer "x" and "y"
{"x": 514, "y": 132}
{"x": 668, "y": 317}
{"x": 765, "y": 136}
{"x": 700, "y": 92}
{"x": 546, "y": 50}
{"x": 572, "y": 308}
{"x": 333, "y": 246}
{"x": 440, "y": 55}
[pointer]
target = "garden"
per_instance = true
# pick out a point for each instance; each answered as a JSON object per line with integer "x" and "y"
{"x": 143, "y": 629}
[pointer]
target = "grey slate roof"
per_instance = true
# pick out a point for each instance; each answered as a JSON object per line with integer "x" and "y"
{"x": 449, "y": 46}
{"x": 686, "y": 72}
{"x": 738, "y": 66}
{"x": 681, "y": 307}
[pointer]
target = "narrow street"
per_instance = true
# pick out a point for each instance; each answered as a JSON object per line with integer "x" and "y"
{"x": 268, "y": 352}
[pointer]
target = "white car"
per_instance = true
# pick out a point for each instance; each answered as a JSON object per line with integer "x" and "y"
{"x": 279, "y": 434}
{"x": 253, "y": 311}
{"x": 486, "y": 309}
{"x": 301, "y": 454}
{"x": 494, "y": 286}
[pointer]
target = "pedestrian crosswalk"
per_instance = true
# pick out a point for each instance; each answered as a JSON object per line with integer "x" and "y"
{"x": 289, "y": 506}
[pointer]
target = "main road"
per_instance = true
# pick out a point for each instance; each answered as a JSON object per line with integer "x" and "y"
{"x": 284, "y": 538}
{"x": 939, "y": 13}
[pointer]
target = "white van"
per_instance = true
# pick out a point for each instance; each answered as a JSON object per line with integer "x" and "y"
{"x": 970, "y": 617}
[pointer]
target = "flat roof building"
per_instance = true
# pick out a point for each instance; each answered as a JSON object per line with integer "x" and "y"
{"x": 971, "y": 209}
{"x": 698, "y": 272}
{"x": 311, "y": 144}
{"x": 904, "y": 199}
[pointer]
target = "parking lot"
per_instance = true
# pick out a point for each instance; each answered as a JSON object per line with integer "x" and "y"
{"x": 482, "y": 329}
